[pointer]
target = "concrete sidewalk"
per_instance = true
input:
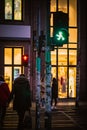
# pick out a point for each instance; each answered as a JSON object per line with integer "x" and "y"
{"x": 63, "y": 118}
{"x": 63, "y": 103}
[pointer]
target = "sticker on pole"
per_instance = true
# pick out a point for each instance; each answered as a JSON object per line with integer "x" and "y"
{"x": 47, "y": 55}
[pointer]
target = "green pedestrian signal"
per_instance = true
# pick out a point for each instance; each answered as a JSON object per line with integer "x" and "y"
{"x": 61, "y": 36}
{"x": 60, "y": 29}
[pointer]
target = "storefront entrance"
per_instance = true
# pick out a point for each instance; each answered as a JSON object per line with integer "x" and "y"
{"x": 64, "y": 69}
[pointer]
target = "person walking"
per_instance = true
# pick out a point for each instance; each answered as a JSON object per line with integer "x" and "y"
{"x": 54, "y": 93}
{"x": 4, "y": 97}
{"x": 21, "y": 95}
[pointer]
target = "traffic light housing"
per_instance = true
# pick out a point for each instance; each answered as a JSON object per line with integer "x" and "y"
{"x": 60, "y": 28}
{"x": 25, "y": 60}
{"x": 42, "y": 40}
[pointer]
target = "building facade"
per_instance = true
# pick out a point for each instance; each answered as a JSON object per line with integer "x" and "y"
{"x": 17, "y": 25}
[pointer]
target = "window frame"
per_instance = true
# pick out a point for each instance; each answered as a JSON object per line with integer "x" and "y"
{"x": 13, "y": 20}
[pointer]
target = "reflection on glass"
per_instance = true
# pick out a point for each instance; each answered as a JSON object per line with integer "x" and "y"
{"x": 8, "y": 56}
{"x": 72, "y": 57}
{"x": 17, "y": 9}
{"x": 62, "y": 56}
{"x": 17, "y": 72}
{"x": 72, "y": 82}
{"x": 53, "y": 57}
{"x": 8, "y": 76}
{"x": 17, "y": 56}
{"x": 62, "y": 82}
{"x": 62, "y": 5}
{"x": 8, "y": 9}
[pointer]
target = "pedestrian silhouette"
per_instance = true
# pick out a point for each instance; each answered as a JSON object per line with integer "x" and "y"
{"x": 54, "y": 93}
{"x": 4, "y": 97}
{"x": 21, "y": 96}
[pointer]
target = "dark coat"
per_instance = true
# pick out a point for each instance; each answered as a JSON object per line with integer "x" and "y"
{"x": 54, "y": 88}
{"x": 21, "y": 94}
{"x": 4, "y": 93}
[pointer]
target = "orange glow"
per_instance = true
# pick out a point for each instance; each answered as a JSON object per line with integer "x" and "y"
{"x": 25, "y": 57}
{"x": 25, "y": 60}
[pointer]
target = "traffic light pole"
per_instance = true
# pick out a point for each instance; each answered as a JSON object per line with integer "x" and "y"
{"x": 48, "y": 89}
{"x": 38, "y": 64}
{"x": 78, "y": 76}
{"x": 38, "y": 68}
{"x": 48, "y": 76}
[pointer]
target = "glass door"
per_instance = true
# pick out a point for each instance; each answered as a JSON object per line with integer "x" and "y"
{"x": 62, "y": 82}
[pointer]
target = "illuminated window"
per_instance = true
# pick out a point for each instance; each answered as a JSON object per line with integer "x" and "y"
{"x": 62, "y": 57}
{"x": 53, "y": 57}
{"x": 13, "y": 9}
{"x": 53, "y": 6}
{"x": 72, "y": 82}
{"x": 12, "y": 64}
{"x": 17, "y": 9}
{"x": 8, "y": 56}
{"x": 17, "y": 56}
{"x": 51, "y": 20}
{"x": 8, "y": 76}
{"x": 72, "y": 45}
{"x": 8, "y": 9}
{"x": 72, "y": 13}
{"x": 73, "y": 35}
{"x": 53, "y": 70}
{"x": 72, "y": 57}
{"x": 62, "y": 5}
{"x": 62, "y": 82}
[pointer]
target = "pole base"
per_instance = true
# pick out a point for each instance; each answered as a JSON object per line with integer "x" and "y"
{"x": 48, "y": 120}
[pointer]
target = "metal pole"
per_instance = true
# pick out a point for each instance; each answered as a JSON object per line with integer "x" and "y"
{"x": 78, "y": 76}
{"x": 38, "y": 69}
{"x": 48, "y": 71}
{"x": 38, "y": 62}
{"x": 48, "y": 90}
